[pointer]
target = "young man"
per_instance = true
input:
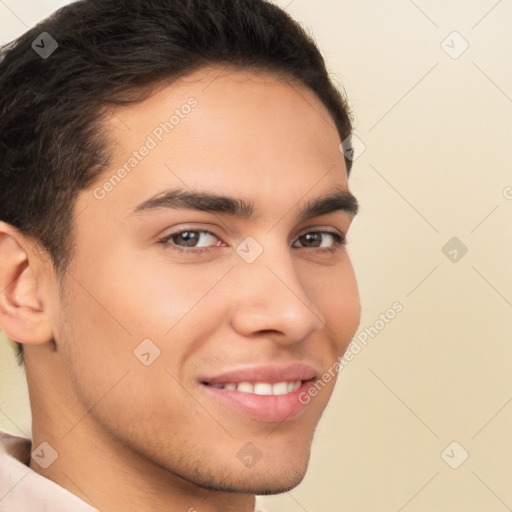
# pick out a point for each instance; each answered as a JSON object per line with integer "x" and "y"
{"x": 173, "y": 210}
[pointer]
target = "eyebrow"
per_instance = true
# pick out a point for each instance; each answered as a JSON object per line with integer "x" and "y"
{"x": 335, "y": 200}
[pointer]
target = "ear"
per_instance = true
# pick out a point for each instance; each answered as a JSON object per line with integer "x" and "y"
{"x": 23, "y": 317}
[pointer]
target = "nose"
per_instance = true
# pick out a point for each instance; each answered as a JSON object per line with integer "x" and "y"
{"x": 271, "y": 300}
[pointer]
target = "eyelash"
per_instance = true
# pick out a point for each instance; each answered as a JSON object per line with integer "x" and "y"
{"x": 339, "y": 242}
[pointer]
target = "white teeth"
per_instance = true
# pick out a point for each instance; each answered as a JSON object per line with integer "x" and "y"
{"x": 261, "y": 388}
{"x": 280, "y": 388}
{"x": 245, "y": 387}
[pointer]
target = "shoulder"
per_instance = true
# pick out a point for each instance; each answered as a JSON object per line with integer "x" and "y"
{"x": 23, "y": 489}
{"x": 17, "y": 447}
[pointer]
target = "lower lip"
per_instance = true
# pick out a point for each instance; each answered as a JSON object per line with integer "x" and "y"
{"x": 268, "y": 408}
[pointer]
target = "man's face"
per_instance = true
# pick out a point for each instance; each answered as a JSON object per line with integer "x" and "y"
{"x": 149, "y": 334}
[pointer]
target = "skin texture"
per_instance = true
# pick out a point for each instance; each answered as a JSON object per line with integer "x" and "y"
{"x": 147, "y": 438}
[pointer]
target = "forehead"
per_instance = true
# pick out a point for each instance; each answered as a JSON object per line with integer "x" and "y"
{"x": 241, "y": 132}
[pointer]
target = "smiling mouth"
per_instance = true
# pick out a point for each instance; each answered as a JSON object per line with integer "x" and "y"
{"x": 260, "y": 388}
{"x": 259, "y": 400}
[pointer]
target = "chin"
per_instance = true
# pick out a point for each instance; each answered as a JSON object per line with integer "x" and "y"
{"x": 263, "y": 479}
{"x": 279, "y": 487}
{"x": 255, "y": 484}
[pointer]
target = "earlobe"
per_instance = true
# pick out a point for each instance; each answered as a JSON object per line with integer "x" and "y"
{"x": 23, "y": 316}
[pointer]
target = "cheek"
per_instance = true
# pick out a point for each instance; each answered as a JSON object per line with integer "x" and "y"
{"x": 112, "y": 382}
{"x": 335, "y": 293}
{"x": 96, "y": 349}
{"x": 157, "y": 291}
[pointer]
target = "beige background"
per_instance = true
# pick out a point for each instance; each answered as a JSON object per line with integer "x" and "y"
{"x": 437, "y": 165}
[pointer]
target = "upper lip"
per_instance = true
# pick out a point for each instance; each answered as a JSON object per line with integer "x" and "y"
{"x": 268, "y": 373}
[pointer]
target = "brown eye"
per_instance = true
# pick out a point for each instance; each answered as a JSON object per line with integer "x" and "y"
{"x": 321, "y": 239}
{"x": 190, "y": 238}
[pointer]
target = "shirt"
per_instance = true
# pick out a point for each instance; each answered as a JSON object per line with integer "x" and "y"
{"x": 24, "y": 490}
